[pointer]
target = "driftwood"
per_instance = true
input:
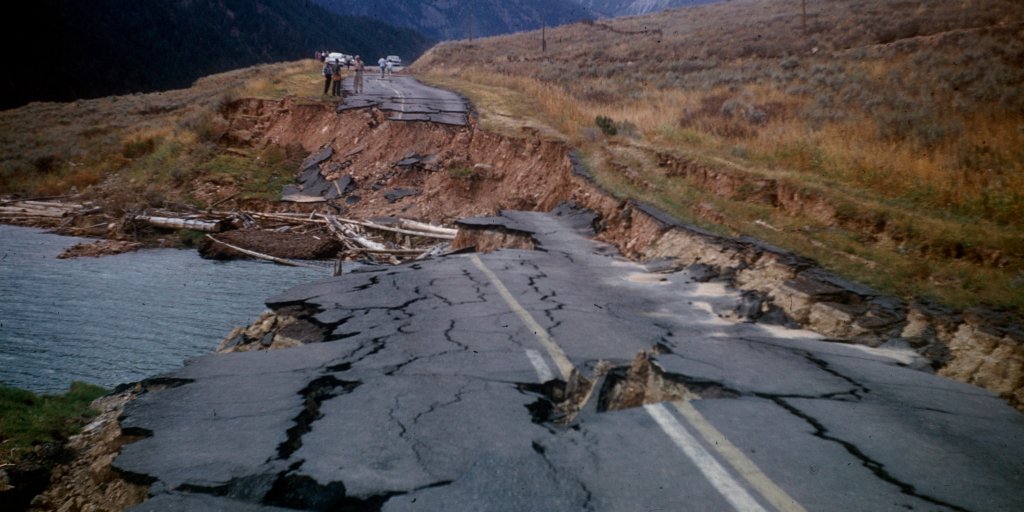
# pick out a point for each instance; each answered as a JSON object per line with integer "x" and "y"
{"x": 336, "y": 228}
{"x": 254, "y": 254}
{"x": 172, "y": 223}
{"x": 378, "y": 227}
{"x": 411, "y": 228}
{"x": 48, "y": 209}
{"x": 397, "y": 252}
{"x": 362, "y": 241}
{"x": 427, "y": 228}
{"x": 16, "y": 211}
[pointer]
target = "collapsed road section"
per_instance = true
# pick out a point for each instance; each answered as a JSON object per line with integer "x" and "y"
{"x": 562, "y": 378}
{"x": 407, "y": 99}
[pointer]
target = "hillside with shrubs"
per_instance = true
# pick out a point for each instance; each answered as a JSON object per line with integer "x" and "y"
{"x": 884, "y": 138}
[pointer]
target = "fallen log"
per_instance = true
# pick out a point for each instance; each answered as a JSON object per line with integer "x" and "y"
{"x": 336, "y": 228}
{"x": 427, "y": 228}
{"x": 20, "y": 211}
{"x": 254, "y": 254}
{"x": 397, "y": 252}
{"x": 172, "y": 223}
{"x": 424, "y": 234}
{"x": 351, "y": 234}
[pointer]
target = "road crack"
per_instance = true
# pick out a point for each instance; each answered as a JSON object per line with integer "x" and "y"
{"x": 875, "y": 467}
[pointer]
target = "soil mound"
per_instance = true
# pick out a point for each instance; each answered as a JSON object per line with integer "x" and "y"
{"x": 272, "y": 243}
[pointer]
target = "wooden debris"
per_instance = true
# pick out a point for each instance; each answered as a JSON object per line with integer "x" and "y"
{"x": 38, "y": 209}
{"x": 172, "y": 223}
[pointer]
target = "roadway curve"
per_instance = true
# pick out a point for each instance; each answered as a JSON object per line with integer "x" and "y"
{"x": 435, "y": 387}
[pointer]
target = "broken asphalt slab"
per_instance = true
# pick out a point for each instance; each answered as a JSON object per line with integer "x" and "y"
{"x": 407, "y": 100}
{"x": 427, "y": 392}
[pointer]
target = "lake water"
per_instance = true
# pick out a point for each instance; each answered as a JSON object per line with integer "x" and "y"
{"x": 121, "y": 318}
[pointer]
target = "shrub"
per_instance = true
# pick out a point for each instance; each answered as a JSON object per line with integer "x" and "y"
{"x": 607, "y": 125}
{"x": 136, "y": 148}
{"x": 462, "y": 172}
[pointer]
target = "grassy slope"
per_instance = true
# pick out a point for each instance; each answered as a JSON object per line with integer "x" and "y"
{"x": 150, "y": 150}
{"x": 903, "y": 118}
{"x": 28, "y": 420}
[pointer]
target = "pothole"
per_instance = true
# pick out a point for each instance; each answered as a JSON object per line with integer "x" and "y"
{"x": 615, "y": 388}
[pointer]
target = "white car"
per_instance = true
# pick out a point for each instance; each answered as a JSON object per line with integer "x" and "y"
{"x": 339, "y": 58}
{"x": 395, "y": 60}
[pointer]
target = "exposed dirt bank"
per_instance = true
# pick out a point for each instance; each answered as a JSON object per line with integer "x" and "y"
{"x": 88, "y": 482}
{"x": 446, "y": 172}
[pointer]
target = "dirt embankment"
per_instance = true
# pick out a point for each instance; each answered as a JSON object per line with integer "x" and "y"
{"x": 436, "y": 173}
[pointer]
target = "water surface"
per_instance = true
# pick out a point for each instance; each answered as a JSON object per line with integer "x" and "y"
{"x": 119, "y": 318}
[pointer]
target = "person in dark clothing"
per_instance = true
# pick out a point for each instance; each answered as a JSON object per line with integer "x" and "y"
{"x": 328, "y": 72}
{"x": 336, "y": 77}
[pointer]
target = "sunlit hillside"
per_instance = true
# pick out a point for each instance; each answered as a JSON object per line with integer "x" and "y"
{"x": 887, "y": 141}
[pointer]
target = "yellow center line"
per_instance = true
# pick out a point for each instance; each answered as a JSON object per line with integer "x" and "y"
{"x": 746, "y": 468}
{"x": 743, "y": 466}
{"x": 565, "y": 367}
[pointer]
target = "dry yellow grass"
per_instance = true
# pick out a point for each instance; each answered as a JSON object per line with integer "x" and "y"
{"x": 149, "y": 144}
{"x": 904, "y": 114}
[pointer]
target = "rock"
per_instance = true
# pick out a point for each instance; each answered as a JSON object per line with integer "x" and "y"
{"x": 702, "y": 273}
{"x": 395, "y": 194}
{"x": 797, "y": 296}
{"x": 267, "y": 339}
{"x": 750, "y": 306}
{"x": 992, "y": 362}
{"x": 837, "y": 320}
{"x": 317, "y": 158}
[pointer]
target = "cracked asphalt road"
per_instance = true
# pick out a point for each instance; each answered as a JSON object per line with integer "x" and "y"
{"x": 406, "y": 99}
{"x": 429, "y": 393}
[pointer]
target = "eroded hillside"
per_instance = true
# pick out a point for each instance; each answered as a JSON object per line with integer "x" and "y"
{"x": 885, "y": 142}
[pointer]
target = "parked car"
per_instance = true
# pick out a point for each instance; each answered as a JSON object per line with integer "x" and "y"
{"x": 395, "y": 60}
{"x": 336, "y": 57}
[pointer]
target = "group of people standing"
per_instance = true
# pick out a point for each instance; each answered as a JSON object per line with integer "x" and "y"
{"x": 333, "y": 76}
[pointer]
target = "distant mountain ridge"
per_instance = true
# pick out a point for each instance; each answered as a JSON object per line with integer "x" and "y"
{"x": 459, "y": 19}
{"x": 79, "y": 49}
{"x": 615, "y": 8}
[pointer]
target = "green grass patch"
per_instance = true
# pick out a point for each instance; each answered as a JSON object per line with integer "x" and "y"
{"x": 27, "y": 419}
{"x": 462, "y": 173}
{"x": 258, "y": 178}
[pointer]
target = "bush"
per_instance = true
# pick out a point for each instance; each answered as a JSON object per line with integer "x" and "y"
{"x": 607, "y": 126}
{"x": 136, "y": 148}
{"x": 462, "y": 172}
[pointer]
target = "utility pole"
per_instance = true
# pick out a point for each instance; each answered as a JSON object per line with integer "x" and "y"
{"x": 803, "y": 8}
